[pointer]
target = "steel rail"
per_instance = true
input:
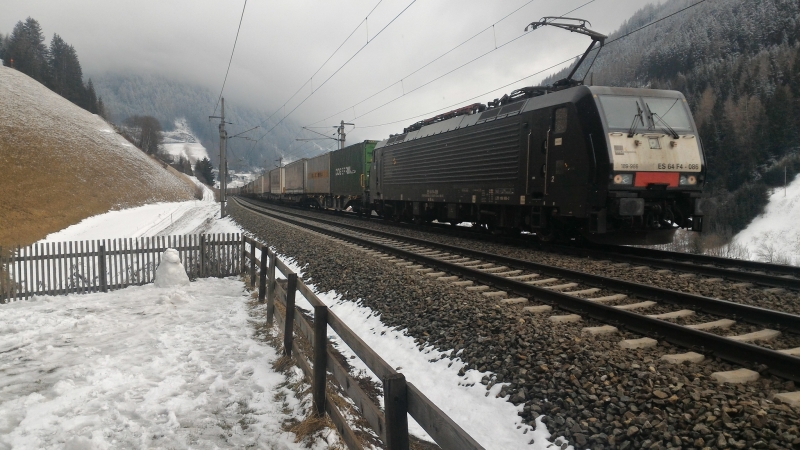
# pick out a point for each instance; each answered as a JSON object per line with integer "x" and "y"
{"x": 690, "y": 263}
{"x": 748, "y": 355}
{"x": 703, "y": 259}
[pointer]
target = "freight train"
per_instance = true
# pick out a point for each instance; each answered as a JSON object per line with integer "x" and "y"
{"x": 611, "y": 165}
{"x": 615, "y": 165}
{"x": 336, "y": 180}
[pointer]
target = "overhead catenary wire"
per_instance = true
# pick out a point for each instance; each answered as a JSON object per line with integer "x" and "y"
{"x": 231, "y": 58}
{"x": 439, "y": 57}
{"x": 445, "y": 54}
{"x": 311, "y": 78}
{"x": 572, "y": 58}
{"x": 415, "y": 71}
{"x": 337, "y": 70}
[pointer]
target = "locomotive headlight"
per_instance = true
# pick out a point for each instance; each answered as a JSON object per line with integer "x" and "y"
{"x": 623, "y": 178}
{"x": 688, "y": 180}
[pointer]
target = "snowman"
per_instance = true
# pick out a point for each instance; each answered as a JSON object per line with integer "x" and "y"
{"x": 170, "y": 273}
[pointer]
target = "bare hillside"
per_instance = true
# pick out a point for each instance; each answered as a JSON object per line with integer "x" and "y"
{"x": 61, "y": 164}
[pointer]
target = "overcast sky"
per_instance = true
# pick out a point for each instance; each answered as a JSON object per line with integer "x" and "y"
{"x": 281, "y": 44}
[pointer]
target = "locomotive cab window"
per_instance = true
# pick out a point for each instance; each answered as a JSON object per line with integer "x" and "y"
{"x": 560, "y": 121}
{"x": 637, "y": 114}
{"x": 669, "y": 111}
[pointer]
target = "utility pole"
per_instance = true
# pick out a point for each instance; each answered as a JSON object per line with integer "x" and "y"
{"x": 223, "y": 163}
{"x": 340, "y": 130}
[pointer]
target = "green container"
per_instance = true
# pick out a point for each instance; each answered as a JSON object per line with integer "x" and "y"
{"x": 350, "y": 169}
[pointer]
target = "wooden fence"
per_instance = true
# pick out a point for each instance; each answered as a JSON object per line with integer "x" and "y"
{"x": 400, "y": 397}
{"x": 57, "y": 268}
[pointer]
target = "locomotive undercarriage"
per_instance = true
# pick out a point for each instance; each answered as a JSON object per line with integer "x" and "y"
{"x": 644, "y": 221}
{"x": 627, "y": 220}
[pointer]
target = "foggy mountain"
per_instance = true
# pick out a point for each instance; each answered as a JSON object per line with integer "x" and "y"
{"x": 169, "y": 99}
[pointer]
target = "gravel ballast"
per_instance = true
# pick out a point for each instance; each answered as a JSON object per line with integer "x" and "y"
{"x": 588, "y": 388}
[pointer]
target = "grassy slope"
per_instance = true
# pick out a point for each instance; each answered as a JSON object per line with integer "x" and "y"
{"x": 60, "y": 164}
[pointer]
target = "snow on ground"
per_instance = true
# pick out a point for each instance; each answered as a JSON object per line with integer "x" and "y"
{"x": 493, "y": 422}
{"x": 182, "y": 142}
{"x": 141, "y": 367}
{"x": 157, "y": 219}
{"x": 774, "y": 235}
{"x": 208, "y": 193}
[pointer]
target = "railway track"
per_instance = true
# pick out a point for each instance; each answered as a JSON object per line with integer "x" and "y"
{"x": 542, "y": 289}
{"x": 773, "y": 277}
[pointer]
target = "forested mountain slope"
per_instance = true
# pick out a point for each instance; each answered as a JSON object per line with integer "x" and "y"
{"x": 169, "y": 100}
{"x": 738, "y": 64}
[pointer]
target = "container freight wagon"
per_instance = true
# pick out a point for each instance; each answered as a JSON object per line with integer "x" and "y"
{"x": 295, "y": 180}
{"x": 262, "y": 185}
{"x": 277, "y": 181}
{"x": 318, "y": 180}
{"x": 350, "y": 169}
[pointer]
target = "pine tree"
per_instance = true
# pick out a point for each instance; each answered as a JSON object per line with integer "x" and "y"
{"x": 65, "y": 73}
{"x": 26, "y": 51}
{"x": 146, "y": 133}
{"x": 203, "y": 171}
{"x": 90, "y": 101}
{"x": 102, "y": 110}
{"x": 3, "y": 40}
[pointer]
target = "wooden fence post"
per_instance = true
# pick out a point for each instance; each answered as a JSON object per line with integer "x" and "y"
{"x": 253, "y": 264}
{"x": 244, "y": 243}
{"x": 101, "y": 255}
{"x": 271, "y": 288}
{"x": 288, "y": 329}
{"x": 262, "y": 275}
{"x": 202, "y": 255}
{"x": 395, "y": 400}
{"x": 3, "y": 276}
{"x": 320, "y": 357}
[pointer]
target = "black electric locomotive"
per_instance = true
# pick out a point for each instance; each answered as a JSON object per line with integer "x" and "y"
{"x": 611, "y": 164}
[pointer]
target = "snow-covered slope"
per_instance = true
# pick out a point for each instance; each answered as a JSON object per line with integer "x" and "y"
{"x": 181, "y": 142}
{"x": 774, "y": 236}
{"x": 62, "y": 164}
{"x": 158, "y": 219}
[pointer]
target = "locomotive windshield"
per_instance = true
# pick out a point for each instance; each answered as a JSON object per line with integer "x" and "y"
{"x": 627, "y": 112}
{"x": 671, "y": 111}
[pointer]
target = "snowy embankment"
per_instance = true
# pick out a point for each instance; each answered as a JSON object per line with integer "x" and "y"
{"x": 157, "y": 219}
{"x": 494, "y": 422}
{"x": 774, "y": 236}
{"x": 142, "y": 367}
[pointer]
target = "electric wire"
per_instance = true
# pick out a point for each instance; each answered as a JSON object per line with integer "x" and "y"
{"x": 445, "y": 54}
{"x": 337, "y": 70}
{"x": 326, "y": 62}
{"x": 231, "y": 59}
{"x": 453, "y": 70}
{"x": 572, "y": 58}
